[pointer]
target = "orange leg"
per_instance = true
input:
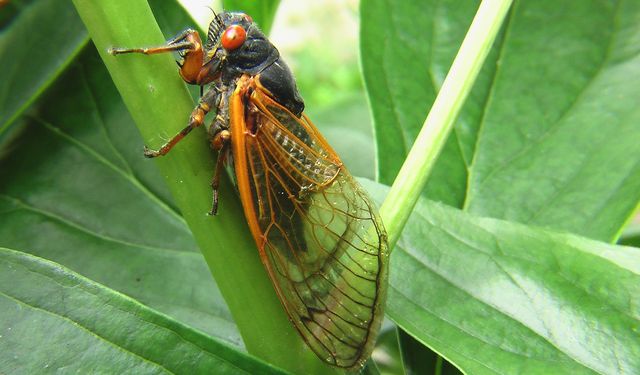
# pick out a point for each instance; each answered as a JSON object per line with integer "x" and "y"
{"x": 179, "y": 46}
{"x": 189, "y": 44}
{"x": 178, "y": 43}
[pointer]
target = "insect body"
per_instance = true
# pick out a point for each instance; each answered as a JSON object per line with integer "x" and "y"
{"x": 318, "y": 233}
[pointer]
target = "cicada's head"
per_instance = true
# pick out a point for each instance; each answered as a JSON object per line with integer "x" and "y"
{"x": 237, "y": 46}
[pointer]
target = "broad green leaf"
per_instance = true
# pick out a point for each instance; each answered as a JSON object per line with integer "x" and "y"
{"x": 548, "y": 135}
{"x": 38, "y": 41}
{"x": 407, "y": 48}
{"x": 499, "y": 297}
{"x": 54, "y": 320}
{"x": 261, "y": 11}
{"x": 558, "y": 145}
{"x": 77, "y": 157}
{"x": 76, "y": 190}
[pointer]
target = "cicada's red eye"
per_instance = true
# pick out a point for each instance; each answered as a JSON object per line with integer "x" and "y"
{"x": 233, "y": 37}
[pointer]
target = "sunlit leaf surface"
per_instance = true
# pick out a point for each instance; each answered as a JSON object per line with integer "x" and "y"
{"x": 499, "y": 297}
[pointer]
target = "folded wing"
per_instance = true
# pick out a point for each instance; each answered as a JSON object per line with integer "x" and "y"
{"x": 318, "y": 233}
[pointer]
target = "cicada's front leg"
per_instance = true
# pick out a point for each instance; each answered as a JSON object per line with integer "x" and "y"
{"x": 185, "y": 40}
{"x": 189, "y": 45}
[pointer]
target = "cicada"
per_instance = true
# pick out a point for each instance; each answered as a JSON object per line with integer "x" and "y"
{"x": 317, "y": 231}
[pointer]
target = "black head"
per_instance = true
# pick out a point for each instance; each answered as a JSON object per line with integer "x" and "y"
{"x": 236, "y": 43}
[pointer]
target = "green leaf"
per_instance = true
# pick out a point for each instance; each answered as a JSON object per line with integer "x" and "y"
{"x": 616, "y": 195}
{"x": 38, "y": 41}
{"x": 570, "y": 157}
{"x": 405, "y": 60}
{"x": 499, "y": 297}
{"x": 96, "y": 330}
{"x": 77, "y": 191}
{"x": 549, "y": 135}
{"x": 84, "y": 152}
{"x": 262, "y": 11}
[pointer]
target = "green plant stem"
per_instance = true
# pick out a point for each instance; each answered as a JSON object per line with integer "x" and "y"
{"x": 413, "y": 175}
{"x": 160, "y": 105}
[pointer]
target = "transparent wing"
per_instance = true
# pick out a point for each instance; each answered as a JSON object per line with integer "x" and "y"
{"x": 318, "y": 232}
